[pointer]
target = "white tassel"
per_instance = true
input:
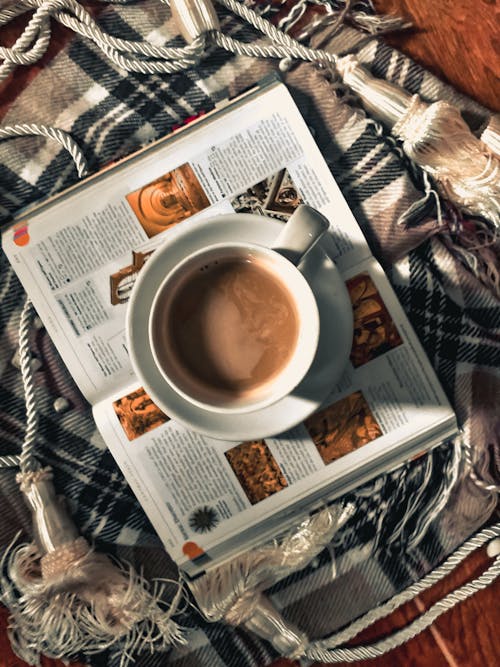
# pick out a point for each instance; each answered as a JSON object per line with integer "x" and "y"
{"x": 435, "y": 137}
{"x": 438, "y": 139}
{"x": 491, "y": 135}
{"x": 66, "y": 599}
{"x": 233, "y": 591}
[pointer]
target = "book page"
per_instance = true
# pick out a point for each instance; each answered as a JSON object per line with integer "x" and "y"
{"x": 201, "y": 493}
{"x": 78, "y": 256}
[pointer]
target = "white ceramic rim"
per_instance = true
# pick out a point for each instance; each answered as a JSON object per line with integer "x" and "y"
{"x": 307, "y": 341}
{"x": 336, "y": 324}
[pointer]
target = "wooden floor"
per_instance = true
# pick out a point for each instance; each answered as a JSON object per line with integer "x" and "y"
{"x": 457, "y": 40}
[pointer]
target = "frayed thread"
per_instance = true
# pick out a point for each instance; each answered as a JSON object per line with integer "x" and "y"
{"x": 120, "y": 610}
{"x": 437, "y": 138}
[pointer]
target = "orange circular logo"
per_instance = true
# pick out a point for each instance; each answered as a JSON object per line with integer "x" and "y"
{"x": 21, "y": 235}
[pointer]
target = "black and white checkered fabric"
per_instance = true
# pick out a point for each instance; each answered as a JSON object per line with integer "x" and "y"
{"x": 405, "y": 521}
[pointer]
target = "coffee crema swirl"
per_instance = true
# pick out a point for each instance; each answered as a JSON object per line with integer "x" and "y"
{"x": 232, "y": 326}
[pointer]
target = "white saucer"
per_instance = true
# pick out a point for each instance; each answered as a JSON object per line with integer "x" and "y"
{"x": 336, "y": 325}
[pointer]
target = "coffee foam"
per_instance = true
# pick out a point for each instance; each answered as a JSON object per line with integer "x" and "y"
{"x": 231, "y": 327}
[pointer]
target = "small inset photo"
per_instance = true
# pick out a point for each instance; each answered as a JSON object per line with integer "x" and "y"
{"x": 122, "y": 281}
{"x": 256, "y": 469}
{"x": 168, "y": 200}
{"x": 204, "y": 519}
{"x": 276, "y": 196}
{"x": 138, "y": 414}
{"x": 343, "y": 427}
{"x": 374, "y": 330}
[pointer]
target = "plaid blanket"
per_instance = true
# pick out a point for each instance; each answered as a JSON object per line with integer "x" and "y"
{"x": 405, "y": 521}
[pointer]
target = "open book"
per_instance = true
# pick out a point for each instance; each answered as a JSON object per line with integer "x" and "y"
{"x": 78, "y": 255}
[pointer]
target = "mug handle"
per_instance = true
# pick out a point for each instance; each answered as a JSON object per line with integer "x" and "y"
{"x": 302, "y": 231}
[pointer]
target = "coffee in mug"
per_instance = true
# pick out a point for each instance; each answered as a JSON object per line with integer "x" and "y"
{"x": 234, "y": 327}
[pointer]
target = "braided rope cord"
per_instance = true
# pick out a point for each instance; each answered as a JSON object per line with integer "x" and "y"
{"x": 142, "y": 56}
{"x": 468, "y": 450}
{"x": 38, "y": 28}
{"x": 123, "y": 52}
{"x": 323, "y": 649}
{"x": 54, "y": 133}
{"x": 284, "y": 44}
{"x": 27, "y": 461}
{"x": 326, "y": 649}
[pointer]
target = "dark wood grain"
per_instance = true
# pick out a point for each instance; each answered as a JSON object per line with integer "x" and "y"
{"x": 457, "y": 40}
{"x": 420, "y": 651}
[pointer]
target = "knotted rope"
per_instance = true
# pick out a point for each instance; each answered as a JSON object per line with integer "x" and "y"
{"x": 142, "y": 56}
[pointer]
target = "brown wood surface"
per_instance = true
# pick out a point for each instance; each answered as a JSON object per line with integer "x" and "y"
{"x": 457, "y": 40}
{"x": 7, "y": 656}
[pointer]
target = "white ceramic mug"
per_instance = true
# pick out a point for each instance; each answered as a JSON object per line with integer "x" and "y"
{"x": 281, "y": 261}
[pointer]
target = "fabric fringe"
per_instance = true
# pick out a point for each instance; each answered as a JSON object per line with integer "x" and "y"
{"x": 476, "y": 246}
{"x": 334, "y": 15}
{"x": 219, "y": 590}
{"x": 491, "y": 135}
{"x": 233, "y": 591}
{"x": 439, "y": 140}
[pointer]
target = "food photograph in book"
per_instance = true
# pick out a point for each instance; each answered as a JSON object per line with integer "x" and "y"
{"x": 276, "y": 197}
{"x": 256, "y": 469}
{"x": 375, "y": 332}
{"x": 343, "y": 427}
{"x": 138, "y": 414}
{"x": 168, "y": 200}
{"x": 122, "y": 281}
